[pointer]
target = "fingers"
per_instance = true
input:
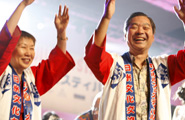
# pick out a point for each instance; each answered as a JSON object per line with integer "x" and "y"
{"x": 59, "y": 11}
{"x": 65, "y": 11}
{"x": 106, "y": 1}
{"x": 176, "y": 9}
{"x": 109, "y": 1}
{"x": 183, "y": 1}
{"x": 179, "y": 13}
{"x": 56, "y": 17}
{"x": 56, "y": 21}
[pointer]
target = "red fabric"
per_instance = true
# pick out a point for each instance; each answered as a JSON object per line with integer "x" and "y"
{"x": 8, "y": 44}
{"x": 176, "y": 65}
{"x": 98, "y": 60}
{"x": 47, "y": 73}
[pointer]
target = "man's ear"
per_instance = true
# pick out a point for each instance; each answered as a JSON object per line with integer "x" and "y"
{"x": 125, "y": 36}
{"x": 153, "y": 37}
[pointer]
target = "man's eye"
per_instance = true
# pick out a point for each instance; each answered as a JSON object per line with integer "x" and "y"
{"x": 146, "y": 28}
{"x": 32, "y": 48}
{"x": 133, "y": 26}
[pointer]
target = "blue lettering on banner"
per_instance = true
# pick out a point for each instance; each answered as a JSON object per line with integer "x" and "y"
{"x": 117, "y": 76}
{"x": 7, "y": 85}
{"x": 35, "y": 92}
{"x": 162, "y": 74}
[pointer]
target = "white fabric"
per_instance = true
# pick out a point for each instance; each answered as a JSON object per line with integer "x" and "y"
{"x": 5, "y": 99}
{"x": 179, "y": 113}
{"x": 112, "y": 105}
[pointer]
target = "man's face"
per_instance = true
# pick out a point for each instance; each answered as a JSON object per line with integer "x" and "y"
{"x": 140, "y": 34}
{"x": 23, "y": 54}
{"x": 52, "y": 117}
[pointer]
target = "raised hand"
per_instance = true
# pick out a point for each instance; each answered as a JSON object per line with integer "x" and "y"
{"x": 180, "y": 12}
{"x": 61, "y": 22}
{"x": 14, "y": 18}
{"x": 109, "y": 8}
{"x": 27, "y": 2}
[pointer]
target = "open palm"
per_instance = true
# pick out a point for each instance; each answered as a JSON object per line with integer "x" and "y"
{"x": 181, "y": 12}
{"x": 28, "y": 2}
{"x": 109, "y": 8}
{"x": 62, "y": 20}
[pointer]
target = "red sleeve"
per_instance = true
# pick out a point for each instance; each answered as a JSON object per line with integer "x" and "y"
{"x": 176, "y": 65}
{"x": 50, "y": 71}
{"x": 98, "y": 60}
{"x": 7, "y": 46}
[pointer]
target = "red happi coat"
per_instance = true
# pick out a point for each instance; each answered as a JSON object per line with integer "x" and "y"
{"x": 39, "y": 78}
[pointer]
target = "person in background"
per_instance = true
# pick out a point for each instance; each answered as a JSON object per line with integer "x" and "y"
{"x": 21, "y": 85}
{"x": 92, "y": 114}
{"x": 180, "y": 109}
{"x": 50, "y": 115}
{"x": 136, "y": 86}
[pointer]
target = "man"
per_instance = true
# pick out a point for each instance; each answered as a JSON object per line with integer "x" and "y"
{"x": 50, "y": 115}
{"x": 21, "y": 85}
{"x": 92, "y": 114}
{"x": 135, "y": 85}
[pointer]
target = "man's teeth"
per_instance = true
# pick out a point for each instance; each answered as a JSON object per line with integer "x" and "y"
{"x": 139, "y": 39}
{"x": 26, "y": 60}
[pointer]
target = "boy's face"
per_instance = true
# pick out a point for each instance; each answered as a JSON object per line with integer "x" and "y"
{"x": 23, "y": 54}
{"x": 140, "y": 34}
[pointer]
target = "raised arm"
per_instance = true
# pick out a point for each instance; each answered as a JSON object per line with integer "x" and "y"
{"x": 181, "y": 11}
{"x": 104, "y": 23}
{"x": 14, "y": 18}
{"x": 61, "y": 22}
